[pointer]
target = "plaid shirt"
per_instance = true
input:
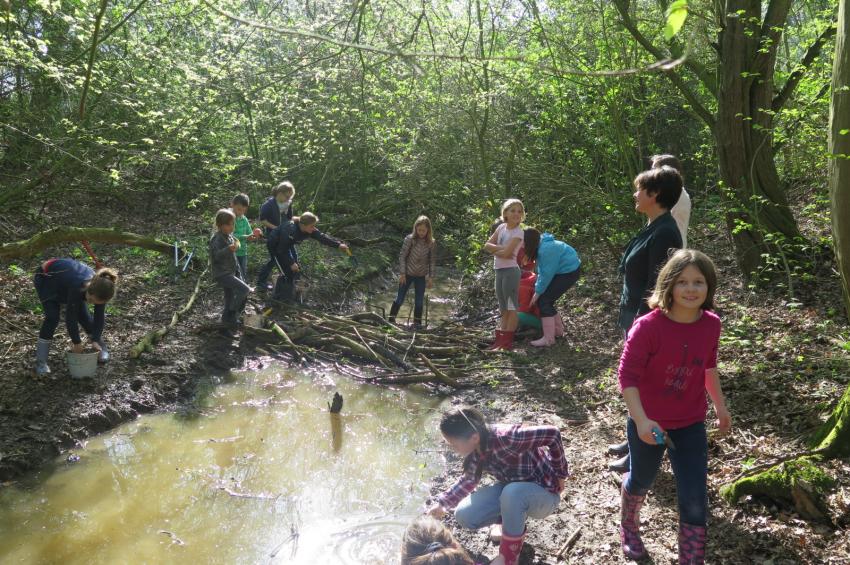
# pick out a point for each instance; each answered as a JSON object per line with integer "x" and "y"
{"x": 533, "y": 454}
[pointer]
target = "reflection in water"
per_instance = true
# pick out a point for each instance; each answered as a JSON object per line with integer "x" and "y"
{"x": 258, "y": 478}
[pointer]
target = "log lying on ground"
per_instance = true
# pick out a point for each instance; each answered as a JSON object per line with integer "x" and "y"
{"x": 798, "y": 480}
{"x": 151, "y": 338}
{"x": 35, "y": 244}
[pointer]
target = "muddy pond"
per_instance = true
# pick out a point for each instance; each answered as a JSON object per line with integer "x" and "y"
{"x": 252, "y": 473}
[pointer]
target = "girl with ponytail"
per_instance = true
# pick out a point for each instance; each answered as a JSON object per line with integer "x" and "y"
{"x": 75, "y": 285}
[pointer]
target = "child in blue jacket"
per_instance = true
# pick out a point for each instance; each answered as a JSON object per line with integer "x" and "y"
{"x": 558, "y": 269}
{"x": 74, "y": 285}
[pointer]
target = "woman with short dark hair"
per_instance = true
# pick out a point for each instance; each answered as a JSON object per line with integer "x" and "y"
{"x": 657, "y": 191}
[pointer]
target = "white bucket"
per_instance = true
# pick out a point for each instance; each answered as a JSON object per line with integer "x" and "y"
{"x": 82, "y": 365}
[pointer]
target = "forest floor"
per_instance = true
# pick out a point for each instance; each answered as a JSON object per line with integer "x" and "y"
{"x": 783, "y": 363}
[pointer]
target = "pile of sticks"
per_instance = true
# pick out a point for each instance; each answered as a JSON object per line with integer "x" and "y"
{"x": 446, "y": 354}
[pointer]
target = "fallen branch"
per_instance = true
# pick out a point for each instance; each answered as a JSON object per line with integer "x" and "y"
{"x": 65, "y": 234}
{"x": 235, "y": 494}
{"x": 444, "y": 378}
{"x": 372, "y": 351}
{"x": 569, "y": 543}
{"x": 152, "y": 337}
{"x": 173, "y": 536}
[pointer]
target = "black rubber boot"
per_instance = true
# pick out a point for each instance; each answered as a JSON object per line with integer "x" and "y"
{"x": 620, "y": 465}
{"x": 618, "y": 449}
{"x": 417, "y": 318}
{"x": 393, "y": 312}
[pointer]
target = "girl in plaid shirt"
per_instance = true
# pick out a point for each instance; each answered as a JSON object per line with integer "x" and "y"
{"x": 529, "y": 466}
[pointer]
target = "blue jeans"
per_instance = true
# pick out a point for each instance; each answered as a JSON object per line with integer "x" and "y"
{"x": 513, "y": 502}
{"x": 419, "y": 289}
{"x": 690, "y": 467}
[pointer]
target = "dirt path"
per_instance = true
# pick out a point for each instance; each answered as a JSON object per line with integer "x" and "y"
{"x": 779, "y": 368}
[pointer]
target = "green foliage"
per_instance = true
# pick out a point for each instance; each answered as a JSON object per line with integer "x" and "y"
{"x": 189, "y": 107}
{"x": 677, "y": 12}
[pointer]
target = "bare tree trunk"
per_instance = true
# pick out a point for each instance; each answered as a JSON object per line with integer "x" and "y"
{"x": 742, "y": 131}
{"x": 747, "y": 99}
{"x": 839, "y": 149}
{"x": 94, "y": 42}
{"x": 799, "y": 481}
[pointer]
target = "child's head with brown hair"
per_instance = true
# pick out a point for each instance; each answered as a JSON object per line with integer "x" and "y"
{"x": 425, "y": 224}
{"x": 465, "y": 430}
{"x": 662, "y": 296}
{"x": 428, "y": 542}
{"x": 513, "y": 212}
{"x": 239, "y": 204}
{"x": 283, "y": 191}
{"x": 530, "y": 243}
{"x": 224, "y": 220}
{"x": 101, "y": 287}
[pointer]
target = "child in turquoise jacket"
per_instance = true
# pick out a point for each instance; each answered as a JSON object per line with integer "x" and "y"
{"x": 558, "y": 269}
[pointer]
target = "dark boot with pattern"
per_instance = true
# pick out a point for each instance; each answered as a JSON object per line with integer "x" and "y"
{"x": 630, "y": 525}
{"x": 691, "y": 544}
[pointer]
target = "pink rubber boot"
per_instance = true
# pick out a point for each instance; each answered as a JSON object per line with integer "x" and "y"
{"x": 548, "y": 338}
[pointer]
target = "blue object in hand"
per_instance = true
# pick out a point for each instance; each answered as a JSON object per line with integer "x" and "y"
{"x": 659, "y": 435}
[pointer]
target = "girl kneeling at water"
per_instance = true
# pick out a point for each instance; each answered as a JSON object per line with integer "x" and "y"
{"x": 529, "y": 466}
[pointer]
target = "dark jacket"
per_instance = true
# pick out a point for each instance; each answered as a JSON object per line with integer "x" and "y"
{"x": 270, "y": 212}
{"x": 63, "y": 282}
{"x": 222, "y": 260}
{"x": 644, "y": 256}
{"x": 289, "y": 236}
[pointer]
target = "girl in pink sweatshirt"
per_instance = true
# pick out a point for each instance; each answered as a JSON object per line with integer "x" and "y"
{"x": 668, "y": 364}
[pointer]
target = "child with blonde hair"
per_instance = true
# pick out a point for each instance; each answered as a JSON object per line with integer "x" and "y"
{"x": 504, "y": 245}
{"x": 428, "y": 542}
{"x": 225, "y": 270}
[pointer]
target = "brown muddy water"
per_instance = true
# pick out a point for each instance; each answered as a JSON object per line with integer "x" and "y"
{"x": 252, "y": 474}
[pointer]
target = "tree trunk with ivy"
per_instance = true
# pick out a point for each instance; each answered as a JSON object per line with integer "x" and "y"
{"x": 839, "y": 149}
{"x": 800, "y": 481}
{"x": 759, "y": 206}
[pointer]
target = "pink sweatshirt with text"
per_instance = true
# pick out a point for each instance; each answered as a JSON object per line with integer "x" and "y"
{"x": 667, "y": 361}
